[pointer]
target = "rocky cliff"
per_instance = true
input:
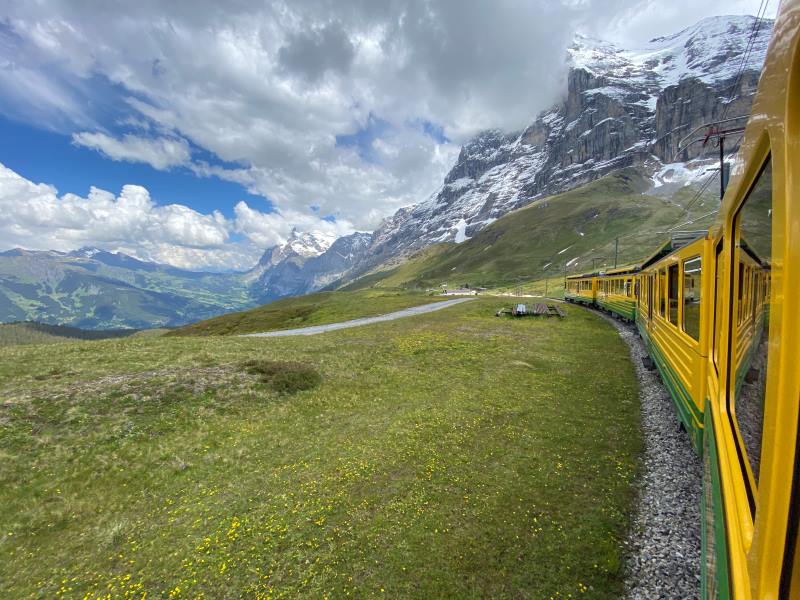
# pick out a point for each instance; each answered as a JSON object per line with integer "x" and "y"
{"x": 622, "y": 107}
{"x": 306, "y": 262}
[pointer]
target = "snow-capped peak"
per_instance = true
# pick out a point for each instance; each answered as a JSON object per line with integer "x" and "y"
{"x": 86, "y": 252}
{"x": 308, "y": 244}
{"x": 303, "y": 245}
{"x": 710, "y": 50}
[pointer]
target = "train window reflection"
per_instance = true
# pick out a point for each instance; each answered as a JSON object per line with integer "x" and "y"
{"x": 662, "y": 287}
{"x": 691, "y": 297}
{"x": 754, "y": 256}
{"x": 673, "y": 294}
{"x": 718, "y": 271}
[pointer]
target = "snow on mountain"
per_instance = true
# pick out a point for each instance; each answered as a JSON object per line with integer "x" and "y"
{"x": 309, "y": 244}
{"x": 306, "y": 262}
{"x": 86, "y": 252}
{"x": 622, "y": 107}
{"x": 302, "y": 244}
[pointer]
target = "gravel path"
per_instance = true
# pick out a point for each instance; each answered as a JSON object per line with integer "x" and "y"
{"x": 664, "y": 542}
{"x": 408, "y": 312}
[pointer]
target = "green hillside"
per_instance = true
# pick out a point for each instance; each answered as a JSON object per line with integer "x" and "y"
{"x": 29, "y": 332}
{"x": 305, "y": 311}
{"x": 576, "y": 229}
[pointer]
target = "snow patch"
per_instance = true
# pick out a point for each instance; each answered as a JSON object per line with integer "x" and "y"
{"x": 460, "y": 183}
{"x": 680, "y": 173}
{"x": 461, "y": 231}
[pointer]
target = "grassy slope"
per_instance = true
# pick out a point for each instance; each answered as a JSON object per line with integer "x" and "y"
{"x": 41, "y": 333}
{"x": 522, "y": 243}
{"x": 304, "y": 311}
{"x": 454, "y": 454}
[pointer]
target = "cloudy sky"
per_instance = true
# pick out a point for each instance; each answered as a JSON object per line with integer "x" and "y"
{"x": 200, "y": 132}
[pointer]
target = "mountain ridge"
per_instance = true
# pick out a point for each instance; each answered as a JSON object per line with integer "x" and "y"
{"x": 622, "y": 107}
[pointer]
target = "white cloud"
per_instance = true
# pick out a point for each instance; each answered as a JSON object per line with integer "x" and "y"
{"x": 160, "y": 153}
{"x": 267, "y": 229}
{"x": 34, "y": 216}
{"x": 270, "y": 86}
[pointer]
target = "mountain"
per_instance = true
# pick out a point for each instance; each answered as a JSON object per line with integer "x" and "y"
{"x": 615, "y": 217}
{"x": 622, "y": 107}
{"x": 623, "y": 111}
{"x": 304, "y": 263}
{"x": 94, "y": 289}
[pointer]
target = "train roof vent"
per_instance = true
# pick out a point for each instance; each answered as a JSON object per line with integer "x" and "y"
{"x": 682, "y": 238}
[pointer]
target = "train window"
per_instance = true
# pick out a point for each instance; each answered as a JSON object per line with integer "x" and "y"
{"x": 753, "y": 227}
{"x": 672, "y": 281}
{"x": 692, "y": 269}
{"x": 740, "y": 295}
{"x": 662, "y": 292}
{"x": 717, "y": 301}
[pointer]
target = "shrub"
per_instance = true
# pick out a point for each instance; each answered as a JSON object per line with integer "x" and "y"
{"x": 285, "y": 377}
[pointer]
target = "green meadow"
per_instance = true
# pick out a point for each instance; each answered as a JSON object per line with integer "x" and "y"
{"x": 454, "y": 454}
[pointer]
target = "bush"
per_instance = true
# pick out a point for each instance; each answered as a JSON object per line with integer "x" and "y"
{"x": 285, "y": 377}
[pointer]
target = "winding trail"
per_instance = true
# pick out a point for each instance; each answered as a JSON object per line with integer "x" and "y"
{"x": 406, "y": 312}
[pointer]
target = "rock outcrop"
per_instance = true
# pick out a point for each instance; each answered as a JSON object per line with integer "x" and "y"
{"x": 622, "y": 107}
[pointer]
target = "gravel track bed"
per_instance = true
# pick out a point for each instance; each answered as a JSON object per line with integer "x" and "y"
{"x": 663, "y": 557}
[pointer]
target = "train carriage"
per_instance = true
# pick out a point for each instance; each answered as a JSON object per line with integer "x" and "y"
{"x": 719, "y": 316}
{"x": 752, "y": 483}
{"x": 616, "y": 291}
{"x": 581, "y": 289}
{"x": 673, "y": 302}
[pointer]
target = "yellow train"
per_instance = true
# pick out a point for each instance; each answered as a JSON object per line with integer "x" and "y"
{"x": 720, "y": 316}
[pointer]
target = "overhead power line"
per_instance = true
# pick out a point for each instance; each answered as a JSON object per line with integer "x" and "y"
{"x": 762, "y": 10}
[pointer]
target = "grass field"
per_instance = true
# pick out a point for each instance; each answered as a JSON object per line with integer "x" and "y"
{"x": 454, "y": 454}
{"x": 304, "y": 311}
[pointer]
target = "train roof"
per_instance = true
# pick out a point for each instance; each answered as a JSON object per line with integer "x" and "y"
{"x": 626, "y": 270}
{"x": 676, "y": 242}
{"x": 623, "y": 270}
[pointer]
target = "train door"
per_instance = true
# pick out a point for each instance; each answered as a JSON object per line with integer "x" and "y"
{"x": 757, "y": 411}
{"x": 649, "y": 298}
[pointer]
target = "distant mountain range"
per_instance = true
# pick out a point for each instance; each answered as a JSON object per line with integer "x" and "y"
{"x": 95, "y": 289}
{"x": 622, "y": 108}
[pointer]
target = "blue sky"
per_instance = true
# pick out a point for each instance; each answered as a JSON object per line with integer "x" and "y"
{"x": 51, "y": 157}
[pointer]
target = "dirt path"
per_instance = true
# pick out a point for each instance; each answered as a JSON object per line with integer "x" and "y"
{"x": 407, "y": 312}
